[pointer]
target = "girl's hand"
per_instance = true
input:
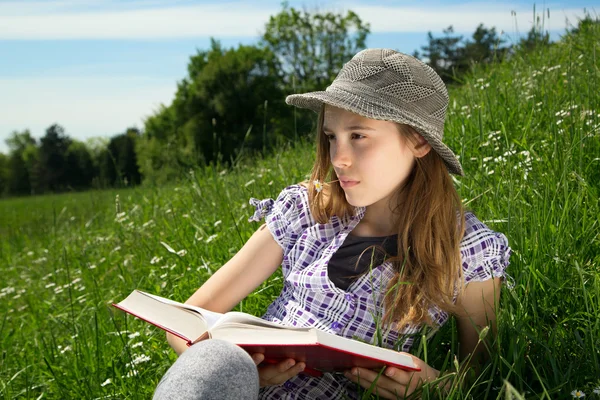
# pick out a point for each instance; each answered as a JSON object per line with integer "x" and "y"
{"x": 276, "y": 374}
{"x": 394, "y": 383}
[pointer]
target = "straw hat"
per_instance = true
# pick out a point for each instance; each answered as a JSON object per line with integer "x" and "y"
{"x": 388, "y": 85}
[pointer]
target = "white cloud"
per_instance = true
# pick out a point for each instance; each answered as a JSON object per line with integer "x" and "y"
{"x": 85, "y": 107}
{"x": 158, "y": 19}
{"x": 464, "y": 17}
{"x": 55, "y": 20}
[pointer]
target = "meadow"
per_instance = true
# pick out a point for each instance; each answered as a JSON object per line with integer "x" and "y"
{"x": 528, "y": 135}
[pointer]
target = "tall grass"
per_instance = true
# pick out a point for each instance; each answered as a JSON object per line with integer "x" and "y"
{"x": 528, "y": 134}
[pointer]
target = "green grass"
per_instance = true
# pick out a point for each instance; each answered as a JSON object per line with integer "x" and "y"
{"x": 528, "y": 135}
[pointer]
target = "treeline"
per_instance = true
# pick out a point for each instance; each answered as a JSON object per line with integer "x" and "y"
{"x": 231, "y": 103}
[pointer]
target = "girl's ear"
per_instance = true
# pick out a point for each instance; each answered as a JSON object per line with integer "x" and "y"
{"x": 420, "y": 147}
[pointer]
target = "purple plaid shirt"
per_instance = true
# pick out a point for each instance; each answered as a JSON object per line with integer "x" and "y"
{"x": 309, "y": 298}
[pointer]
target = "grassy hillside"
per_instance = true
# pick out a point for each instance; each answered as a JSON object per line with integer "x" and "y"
{"x": 528, "y": 135}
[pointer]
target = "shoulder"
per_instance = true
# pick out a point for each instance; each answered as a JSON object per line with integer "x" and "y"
{"x": 478, "y": 236}
{"x": 286, "y": 216}
{"x": 291, "y": 204}
{"x": 294, "y": 196}
{"x": 485, "y": 253}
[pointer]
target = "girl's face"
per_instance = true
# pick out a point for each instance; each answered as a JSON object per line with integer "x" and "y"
{"x": 371, "y": 158}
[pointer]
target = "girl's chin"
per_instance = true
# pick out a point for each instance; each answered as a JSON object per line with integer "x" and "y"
{"x": 354, "y": 202}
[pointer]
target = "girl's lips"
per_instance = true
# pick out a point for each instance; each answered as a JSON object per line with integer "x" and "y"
{"x": 348, "y": 184}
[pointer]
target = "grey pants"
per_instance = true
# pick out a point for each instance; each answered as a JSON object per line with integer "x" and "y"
{"x": 211, "y": 369}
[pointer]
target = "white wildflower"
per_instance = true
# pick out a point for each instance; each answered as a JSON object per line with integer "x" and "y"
{"x": 211, "y": 238}
{"x": 127, "y": 259}
{"x": 140, "y": 359}
{"x": 108, "y": 381}
{"x": 155, "y": 260}
{"x": 67, "y": 348}
{"x": 132, "y": 372}
{"x": 318, "y": 185}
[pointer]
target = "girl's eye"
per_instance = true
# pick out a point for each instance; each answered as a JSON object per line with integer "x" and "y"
{"x": 355, "y": 136}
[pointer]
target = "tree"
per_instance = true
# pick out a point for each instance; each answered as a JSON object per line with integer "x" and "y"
{"x": 80, "y": 166}
{"x": 451, "y": 59}
{"x": 585, "y": 24}
{"x": 444, "y": 54}
{"x": 535, "y": 37}
{"x": 53, "y": 159}
{"x": 21, "y": 163}
{"x": 311, "y": 48}
{"x": 158, "y": 150}
{"x": 4, "y": 173}
{"x": 485, "y": 47}
{"x": 231, "y": 92}
{"x": 119, "y": 164}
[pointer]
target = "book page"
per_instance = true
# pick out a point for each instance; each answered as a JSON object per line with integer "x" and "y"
{"x": 244, "y": 334}
{"x": 237, "y": 318}
{"x": 210, "y": 317}
{"x": 184, "y": 323}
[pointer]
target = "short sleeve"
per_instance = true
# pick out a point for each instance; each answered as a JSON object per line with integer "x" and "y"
{"x": 485, "y": 253}
{"x": 286, "y": 217}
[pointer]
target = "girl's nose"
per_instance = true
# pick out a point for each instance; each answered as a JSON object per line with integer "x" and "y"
{"x": 341, "y": 155}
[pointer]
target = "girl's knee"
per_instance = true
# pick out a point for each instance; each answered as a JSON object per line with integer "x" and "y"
{"x": 210, "y": 367}
{"x": 219, "y": 354}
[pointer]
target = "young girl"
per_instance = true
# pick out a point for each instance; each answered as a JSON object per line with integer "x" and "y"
{"x": 378, "y": 233}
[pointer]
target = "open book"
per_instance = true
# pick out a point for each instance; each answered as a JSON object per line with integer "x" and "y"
{"x": 321, "y": 351}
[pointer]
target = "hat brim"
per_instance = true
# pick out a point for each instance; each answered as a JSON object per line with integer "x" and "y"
{"x": 361, "y": 106}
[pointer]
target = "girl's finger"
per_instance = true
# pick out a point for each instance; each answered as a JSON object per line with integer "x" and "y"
{"x": 279, "y": 373}
{"x": 384, "y": 386}
{"x": 381, "y": 392}
{"x": 269, "y": 371}
{"x": 290, "y": 373}
{"x": 257, "y": 358}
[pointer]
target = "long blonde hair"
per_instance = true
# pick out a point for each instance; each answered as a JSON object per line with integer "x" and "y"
{"x": 430, "y": 226}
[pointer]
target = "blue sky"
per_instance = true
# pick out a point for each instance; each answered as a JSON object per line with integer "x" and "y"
{"x": 98, "y": 67}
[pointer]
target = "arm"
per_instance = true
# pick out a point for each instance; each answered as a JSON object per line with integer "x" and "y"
{"x": 258, "y": 259}
{"x": 477, "y": 310}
